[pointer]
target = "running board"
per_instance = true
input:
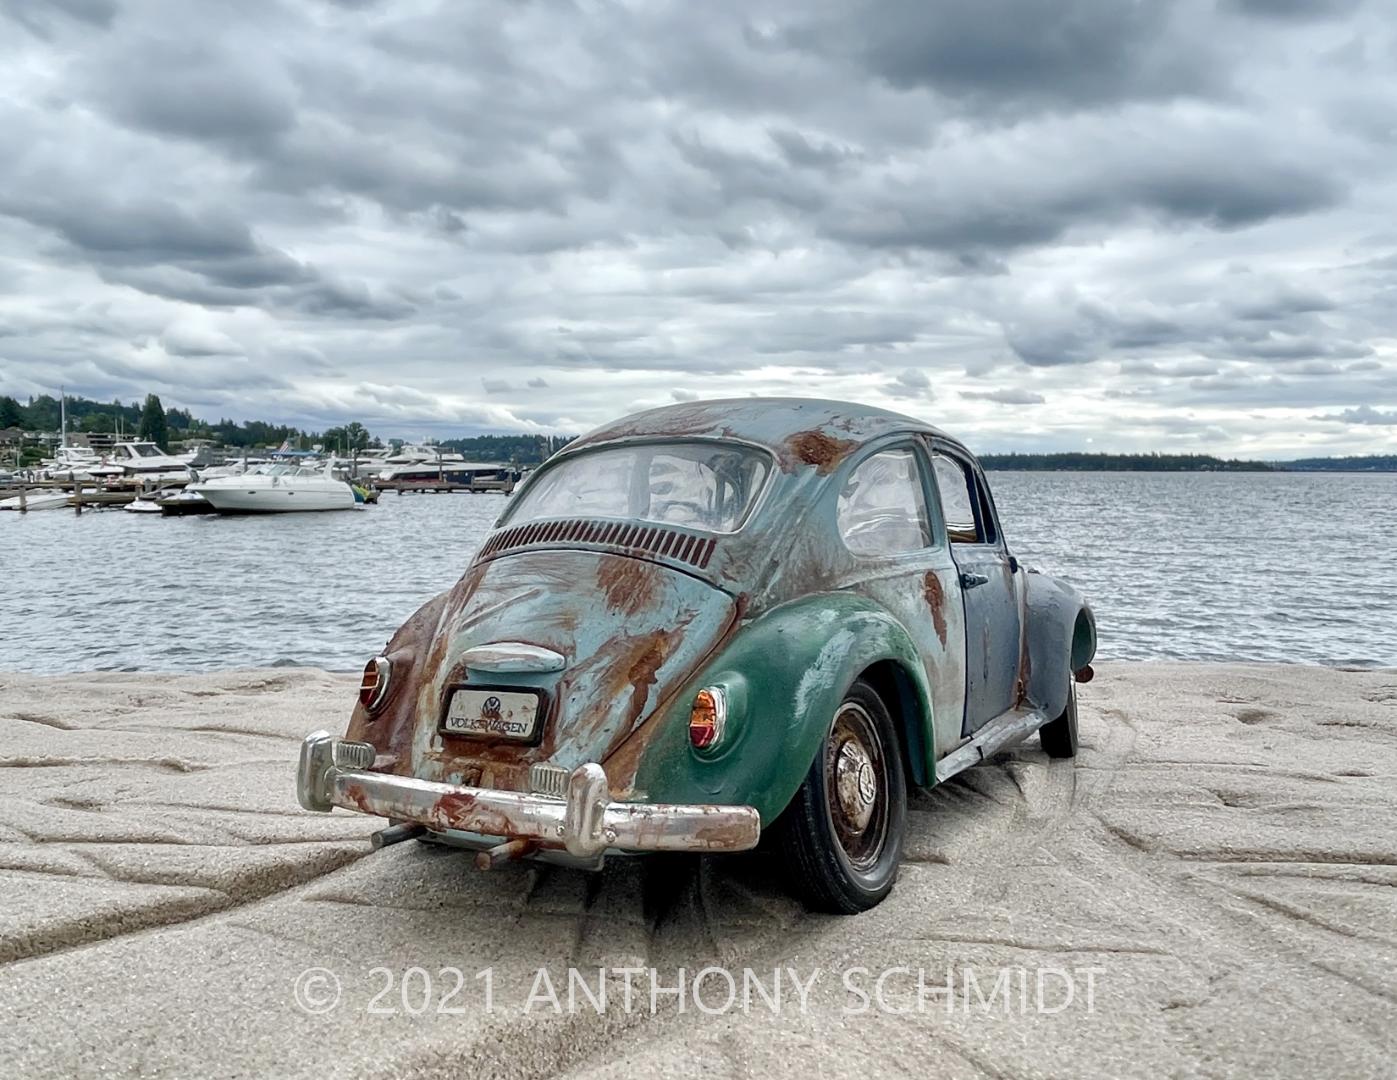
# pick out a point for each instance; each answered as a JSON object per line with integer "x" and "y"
{"x": 1004, "y": 730}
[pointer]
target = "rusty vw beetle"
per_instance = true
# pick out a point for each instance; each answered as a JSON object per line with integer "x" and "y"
{"x": 711, "y": 620}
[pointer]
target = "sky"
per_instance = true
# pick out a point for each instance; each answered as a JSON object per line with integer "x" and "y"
{"x": 1039, "y": 224}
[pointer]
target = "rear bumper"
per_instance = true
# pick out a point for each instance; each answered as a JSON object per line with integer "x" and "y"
{"x": 584, "y": 821}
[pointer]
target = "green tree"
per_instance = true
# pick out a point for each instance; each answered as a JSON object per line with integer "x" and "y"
{"x": 11, "y": 413}
{"x": 153, "y": 427}
{"x": 348, "y": 439}
{"x": 356, "y": 436}
{"x": 97, "y": 422}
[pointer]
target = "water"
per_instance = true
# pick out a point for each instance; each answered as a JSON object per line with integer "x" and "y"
{"x": 1198, "y": 566}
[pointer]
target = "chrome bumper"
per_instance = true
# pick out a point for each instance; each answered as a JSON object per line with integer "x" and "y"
{"x": 334, "y": 772}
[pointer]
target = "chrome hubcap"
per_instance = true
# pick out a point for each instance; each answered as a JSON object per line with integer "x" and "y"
{"x": 856, "y": 784}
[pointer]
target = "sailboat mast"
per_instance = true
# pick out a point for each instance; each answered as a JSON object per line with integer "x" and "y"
{"x": 62, "y": 416}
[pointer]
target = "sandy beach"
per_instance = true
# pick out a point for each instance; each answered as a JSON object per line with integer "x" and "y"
{"x": 1219, "y": 863}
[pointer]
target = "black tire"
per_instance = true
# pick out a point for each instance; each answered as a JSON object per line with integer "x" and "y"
{"x": 1059, "y": 737}
{"x": 842, "y": 842}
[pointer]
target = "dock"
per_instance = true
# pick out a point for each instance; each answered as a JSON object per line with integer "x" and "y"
{"x": 82, "y": 494}
{"x": 442, "y": 486}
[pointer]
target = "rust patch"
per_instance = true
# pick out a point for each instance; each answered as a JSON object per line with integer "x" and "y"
{"x": 695, "y": 419}
{"x": 642, "y": 674}
{"x": 390, "y": 731}
{"x": 458, "y": 810}
{"x": 629, "y": 584}
{"x": 622, "y": 760}
{"x": 936, "y": 600}
{"x": 820, "y": 450}
{"x": 356, "y": 794}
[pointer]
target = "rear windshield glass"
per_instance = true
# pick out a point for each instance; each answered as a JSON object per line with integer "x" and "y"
{"x": 707, "y": 486}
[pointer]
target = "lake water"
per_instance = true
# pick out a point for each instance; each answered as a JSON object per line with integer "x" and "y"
{"x": 1246, "y": 566}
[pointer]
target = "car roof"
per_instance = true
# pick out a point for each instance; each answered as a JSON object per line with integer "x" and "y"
{"x": 814, "y": 430}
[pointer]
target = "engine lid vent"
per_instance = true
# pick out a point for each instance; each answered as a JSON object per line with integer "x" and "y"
{"x": 657, "y": 540}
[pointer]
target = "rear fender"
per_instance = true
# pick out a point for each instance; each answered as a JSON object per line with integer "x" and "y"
{"x": 784, "y": 674}
{"x": 1061, "y": 640}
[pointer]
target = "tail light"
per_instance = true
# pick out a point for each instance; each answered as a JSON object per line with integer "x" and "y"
{"x": 373, "y": 687}
{"x": 708, "y": 717}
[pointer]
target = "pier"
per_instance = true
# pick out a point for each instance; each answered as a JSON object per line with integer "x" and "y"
{"x": 442, "y": 486}
{"x": 81, "y": 494}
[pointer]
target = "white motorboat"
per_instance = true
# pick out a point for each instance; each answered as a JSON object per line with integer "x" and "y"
{"x": 147, "y": 503}
{"x": 184, "y": 502}
{"x": 77, "y": 463}
{"x": 145, "y": 458}
{"x": 270, "y": 489}
{"x": 201, "y": 473}
{"x": 42, "y": 499}
{"x": 409, "y": 454}
{"x": 153, "y": 502}
{"x": 455, "y": 472}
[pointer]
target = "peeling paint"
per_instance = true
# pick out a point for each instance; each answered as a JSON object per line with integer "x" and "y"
{"x": 822, "y": 450}
{"x": 936, "y": 601}
{"x": 642, "y": 675}
{"x": 628, "y": 584}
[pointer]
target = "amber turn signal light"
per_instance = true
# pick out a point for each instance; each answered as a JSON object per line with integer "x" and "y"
{"x": 373, "y": 687}
{"x": 708, "y": 717}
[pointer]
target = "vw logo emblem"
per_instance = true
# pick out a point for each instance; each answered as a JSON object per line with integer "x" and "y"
{"x": 491, "y": 709}
{"x": 868, "y": 783}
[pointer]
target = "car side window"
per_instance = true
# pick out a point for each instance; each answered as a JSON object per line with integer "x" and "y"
{"x": 882, "y": 508}
{"x": 958, "y": 496}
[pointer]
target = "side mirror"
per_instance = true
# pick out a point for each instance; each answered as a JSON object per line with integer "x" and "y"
{"x": 1013, "y": 565}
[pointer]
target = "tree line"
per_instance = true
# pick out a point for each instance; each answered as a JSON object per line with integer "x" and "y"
{"x": 150, "y": 421}
{"x": 1080, "y": 462}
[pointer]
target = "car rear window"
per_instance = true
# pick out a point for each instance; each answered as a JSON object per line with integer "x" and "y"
{"x": 702, "y": 485}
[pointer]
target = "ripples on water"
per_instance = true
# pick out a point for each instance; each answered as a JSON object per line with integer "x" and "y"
{"x": 1198, "y": 566}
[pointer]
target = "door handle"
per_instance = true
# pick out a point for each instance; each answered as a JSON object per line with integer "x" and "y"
{"x": 969, "y": 581}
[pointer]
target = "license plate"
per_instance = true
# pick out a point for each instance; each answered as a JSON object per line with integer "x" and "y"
{"x": 492, "y": 714}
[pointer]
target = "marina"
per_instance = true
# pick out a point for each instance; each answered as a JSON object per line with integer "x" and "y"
{"x": 141, "y": 476}
{"x": 91, "y": 494}
{"x": 76, "y": 478}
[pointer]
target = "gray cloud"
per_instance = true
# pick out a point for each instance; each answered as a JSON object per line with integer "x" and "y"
{"x": 445, "y": 217}
{"x": 1074, "y": 52}
{"x": 196, "y": 87}
{"x": 1303, "y": 10}
{"x": 1011, "y": 396}
{"x": 910, "y": 383}
{"x": 45, "y": 17}
{"x": 1363, "y": 414}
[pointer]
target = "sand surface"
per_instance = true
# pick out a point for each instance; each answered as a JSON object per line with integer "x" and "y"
{"x": 1222, "y": 856}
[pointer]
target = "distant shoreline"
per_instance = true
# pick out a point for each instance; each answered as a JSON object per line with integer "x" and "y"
{"x": 1079, "y": 462}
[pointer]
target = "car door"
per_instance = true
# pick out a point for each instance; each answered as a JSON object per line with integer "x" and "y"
{"x": 987, "y": 585}
{"x": 886, "y": 519}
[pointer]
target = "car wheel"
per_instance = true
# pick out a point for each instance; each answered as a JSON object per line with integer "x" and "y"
{"x": 1059, "y": 737}
{"x": 842, "y": 834}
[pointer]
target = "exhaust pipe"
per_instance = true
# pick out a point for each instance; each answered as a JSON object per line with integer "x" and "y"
{"x": 396, "y": 834}
{"x": 503, "y": 853}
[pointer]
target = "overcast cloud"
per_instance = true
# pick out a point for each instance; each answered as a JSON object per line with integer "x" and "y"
{"x": 1043, "y": 225}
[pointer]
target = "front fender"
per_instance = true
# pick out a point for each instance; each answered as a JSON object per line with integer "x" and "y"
{"x": 785, "y": 673}
{"x": 1061, "y": 640}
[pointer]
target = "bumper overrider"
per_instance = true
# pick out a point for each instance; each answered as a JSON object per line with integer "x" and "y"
{"x": 580, "y": 818}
